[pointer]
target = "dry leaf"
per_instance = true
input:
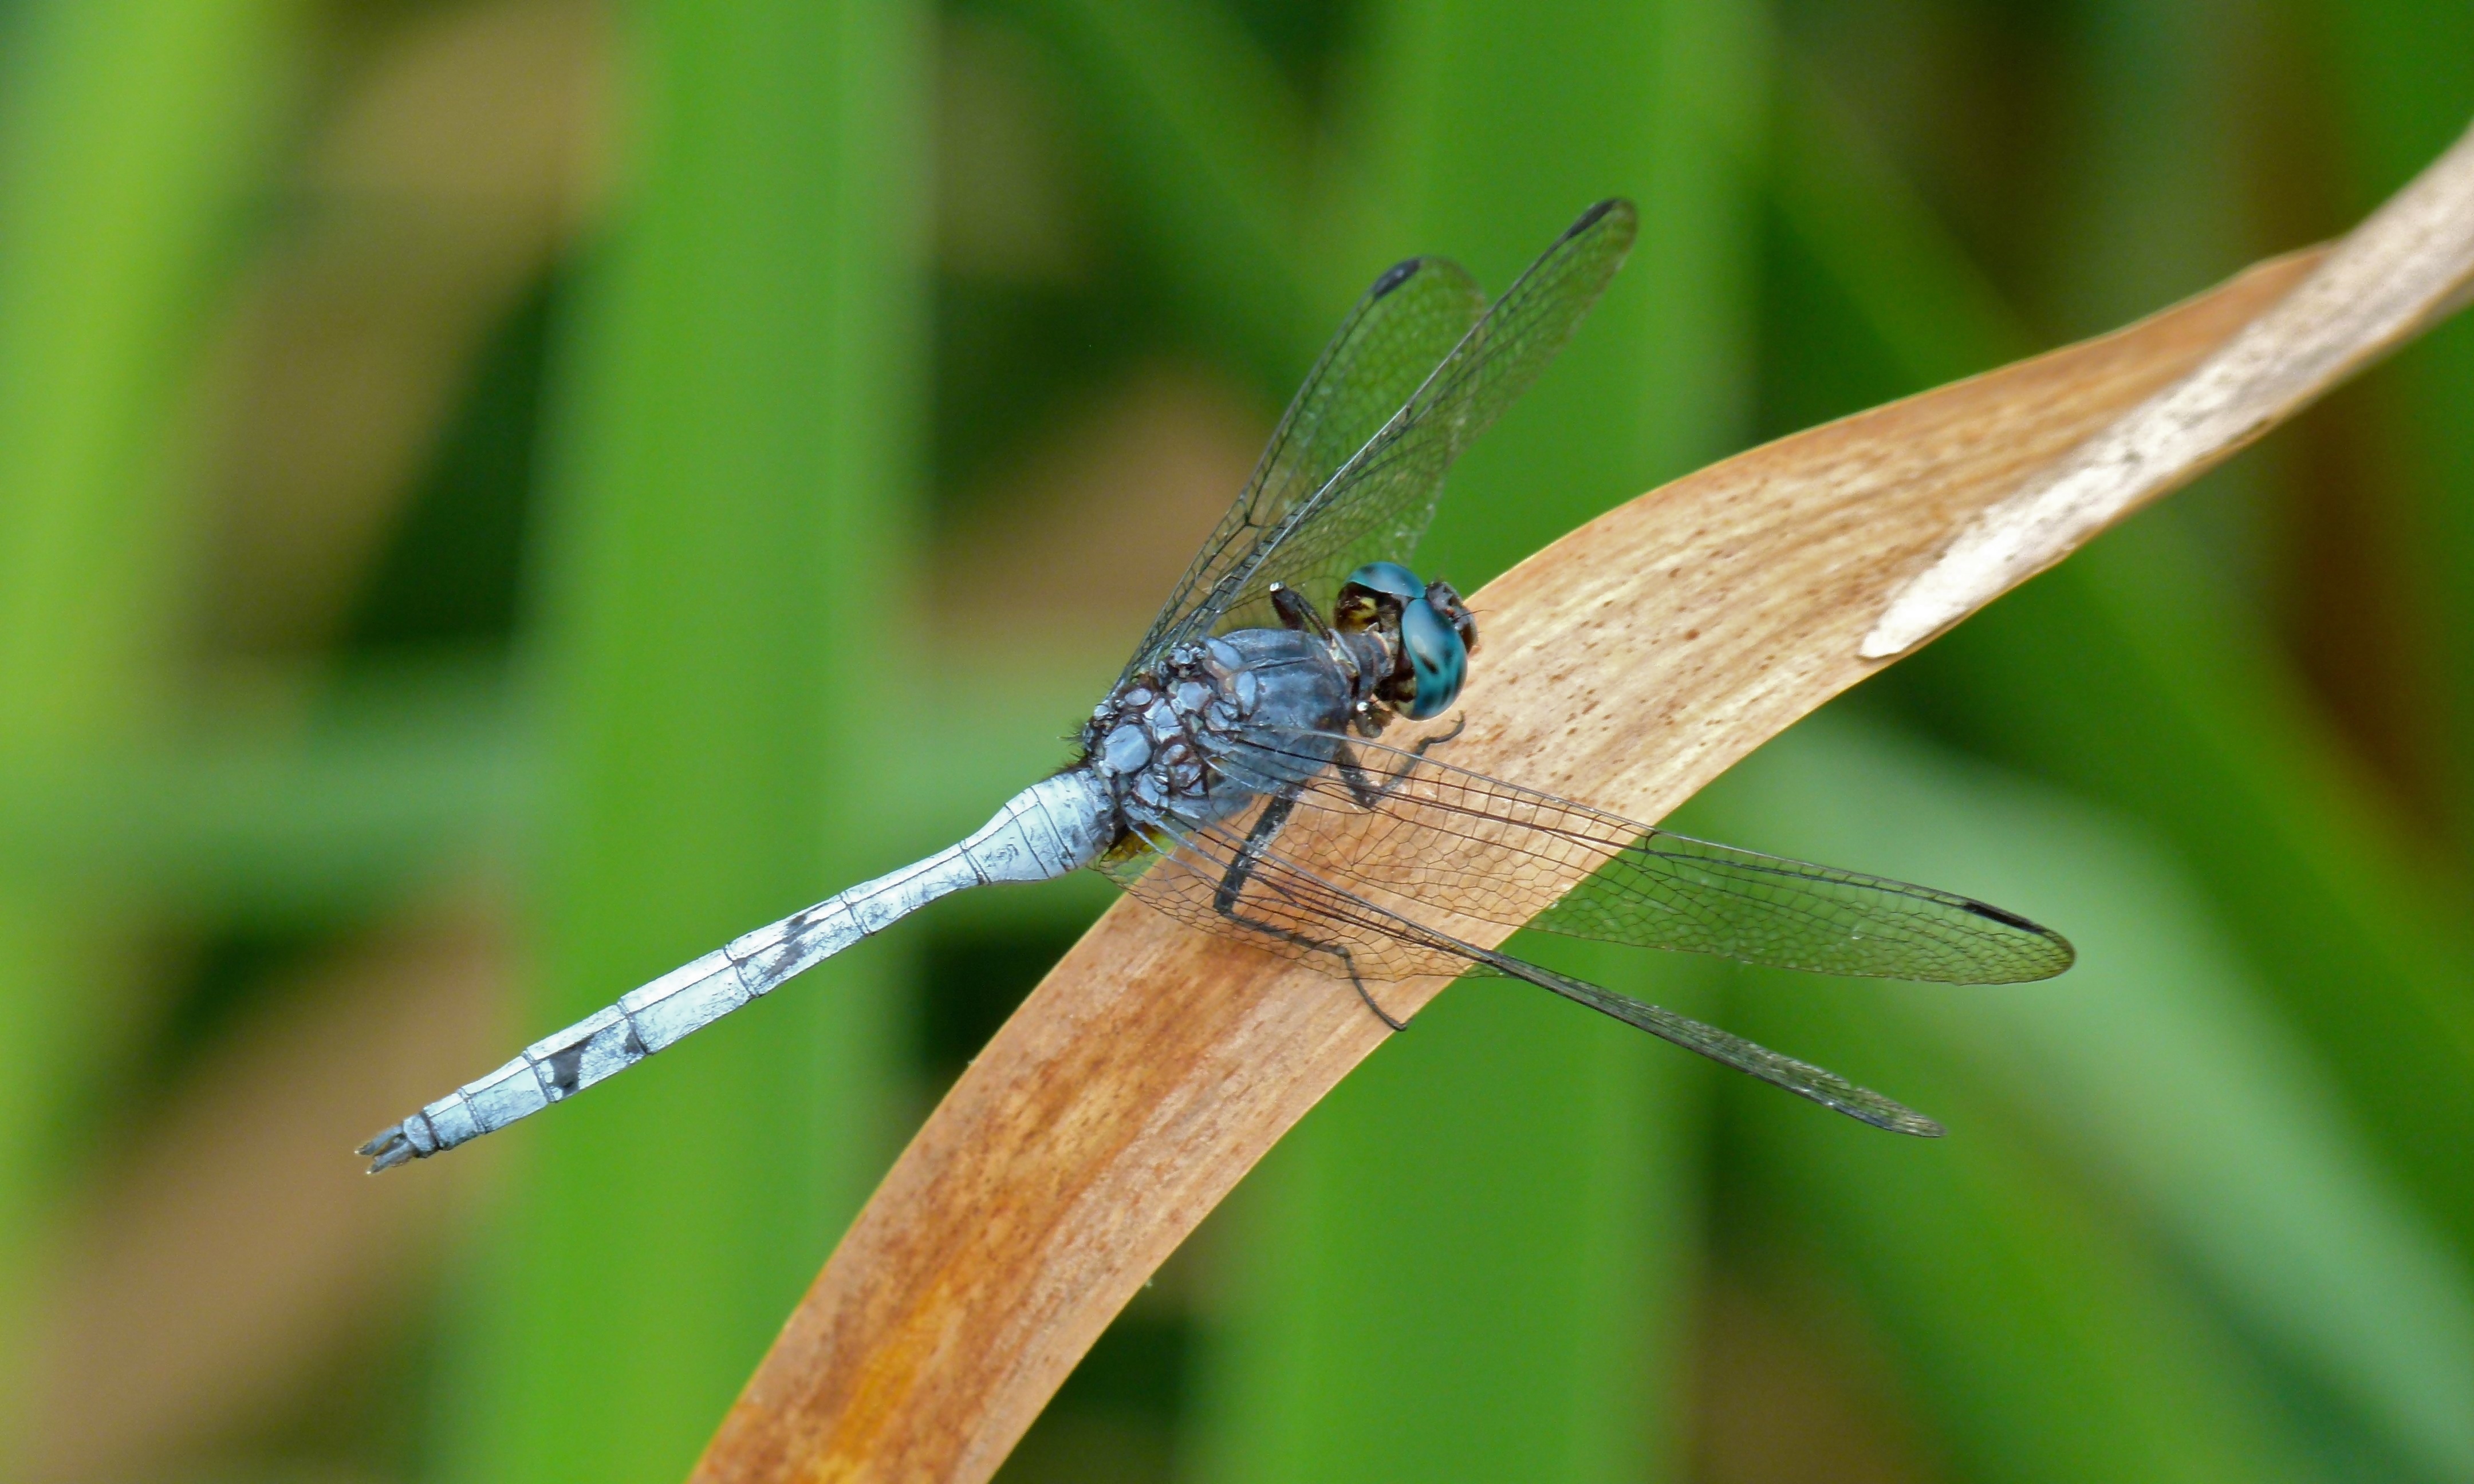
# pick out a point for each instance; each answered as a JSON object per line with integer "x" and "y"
{"x": 1627, "y": 664}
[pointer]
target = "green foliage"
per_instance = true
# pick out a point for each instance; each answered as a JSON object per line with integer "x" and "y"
{"x": 723, "y": 544}
{"x": 129, "y": 132}
{"x": 643, "y": 641}
{"x": 1549, "y": 1153}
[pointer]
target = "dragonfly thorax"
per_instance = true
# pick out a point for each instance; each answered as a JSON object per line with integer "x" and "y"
{"x": 1171, "y": 744}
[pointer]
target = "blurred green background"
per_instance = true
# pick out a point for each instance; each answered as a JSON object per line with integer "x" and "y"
{"x": 500, "y": 497}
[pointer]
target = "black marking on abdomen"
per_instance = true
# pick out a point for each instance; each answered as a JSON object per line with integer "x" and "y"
{"x": 566, "y": 1068}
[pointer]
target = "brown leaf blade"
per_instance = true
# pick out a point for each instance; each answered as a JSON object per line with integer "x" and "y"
{"x": 2392, "y": 277}
{"x": 1627, "y": 664}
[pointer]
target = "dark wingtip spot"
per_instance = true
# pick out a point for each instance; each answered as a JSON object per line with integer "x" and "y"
{"x": 1613, "y": 205}
{"x": 1395, "y": 276}
{"x": 1985, "y": 909}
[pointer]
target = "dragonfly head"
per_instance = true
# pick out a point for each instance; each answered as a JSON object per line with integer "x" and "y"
{"x": 1373, "y": 594}
{"x": 1432, "y": 629}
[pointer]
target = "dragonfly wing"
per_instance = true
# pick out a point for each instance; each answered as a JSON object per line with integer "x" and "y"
{"x": 1282, "y": 905}
{"x": 1802, "y": 1078}
{"x": 1387, "y": 347}
{"x": 1377, "y": 504}
{"x": 1674, "y": 892}
{"x": 1380, "y": 502}
{"x": 1485, "y": 848}
{"x": 1287, "y": 908}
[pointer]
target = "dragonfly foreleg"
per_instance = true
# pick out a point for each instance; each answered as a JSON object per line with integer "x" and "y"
{"x": 1364, "y": 790}
{"x": 1296, "y": 611}
{"x": 1232, "y": 887}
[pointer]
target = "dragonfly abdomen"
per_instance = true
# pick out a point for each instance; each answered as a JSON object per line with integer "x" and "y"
{"x": 1050, "y": 829}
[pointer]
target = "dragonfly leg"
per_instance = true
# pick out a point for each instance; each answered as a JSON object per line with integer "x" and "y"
{"x": 1364, "y": 790}
{"x": 1232, "y": 886}
{"x": 1296, "y": 611}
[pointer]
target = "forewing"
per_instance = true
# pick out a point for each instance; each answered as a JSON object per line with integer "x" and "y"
{"x": 1389, "y": 343}
{"x": 1378, "y": 503}
{"x": 1464, "y": 843}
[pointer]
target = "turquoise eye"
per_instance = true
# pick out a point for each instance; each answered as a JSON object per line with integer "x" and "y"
{"x": 1436, "y": 654}
{"x": 1388, "y": 577}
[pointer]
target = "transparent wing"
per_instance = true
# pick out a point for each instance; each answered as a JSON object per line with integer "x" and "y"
{"x": 1282, "y": 904}
{"x": 1802, "y": 1078}
{"x": 1377, "y": 504}
{"x": 1386, "y": 348}
{"x": 1292, "y": 909}
{"x": 1485, "y": 849}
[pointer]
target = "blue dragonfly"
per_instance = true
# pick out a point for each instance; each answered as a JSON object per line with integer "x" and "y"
{"x": 1237, "y": 775}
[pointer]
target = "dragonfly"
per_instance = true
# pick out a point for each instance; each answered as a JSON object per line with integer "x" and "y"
{"x": 1237, "y": 775}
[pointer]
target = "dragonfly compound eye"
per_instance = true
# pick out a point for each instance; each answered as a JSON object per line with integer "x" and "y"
{"x": 1389, "y": 578}
{"x": 1438, "y": 656}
